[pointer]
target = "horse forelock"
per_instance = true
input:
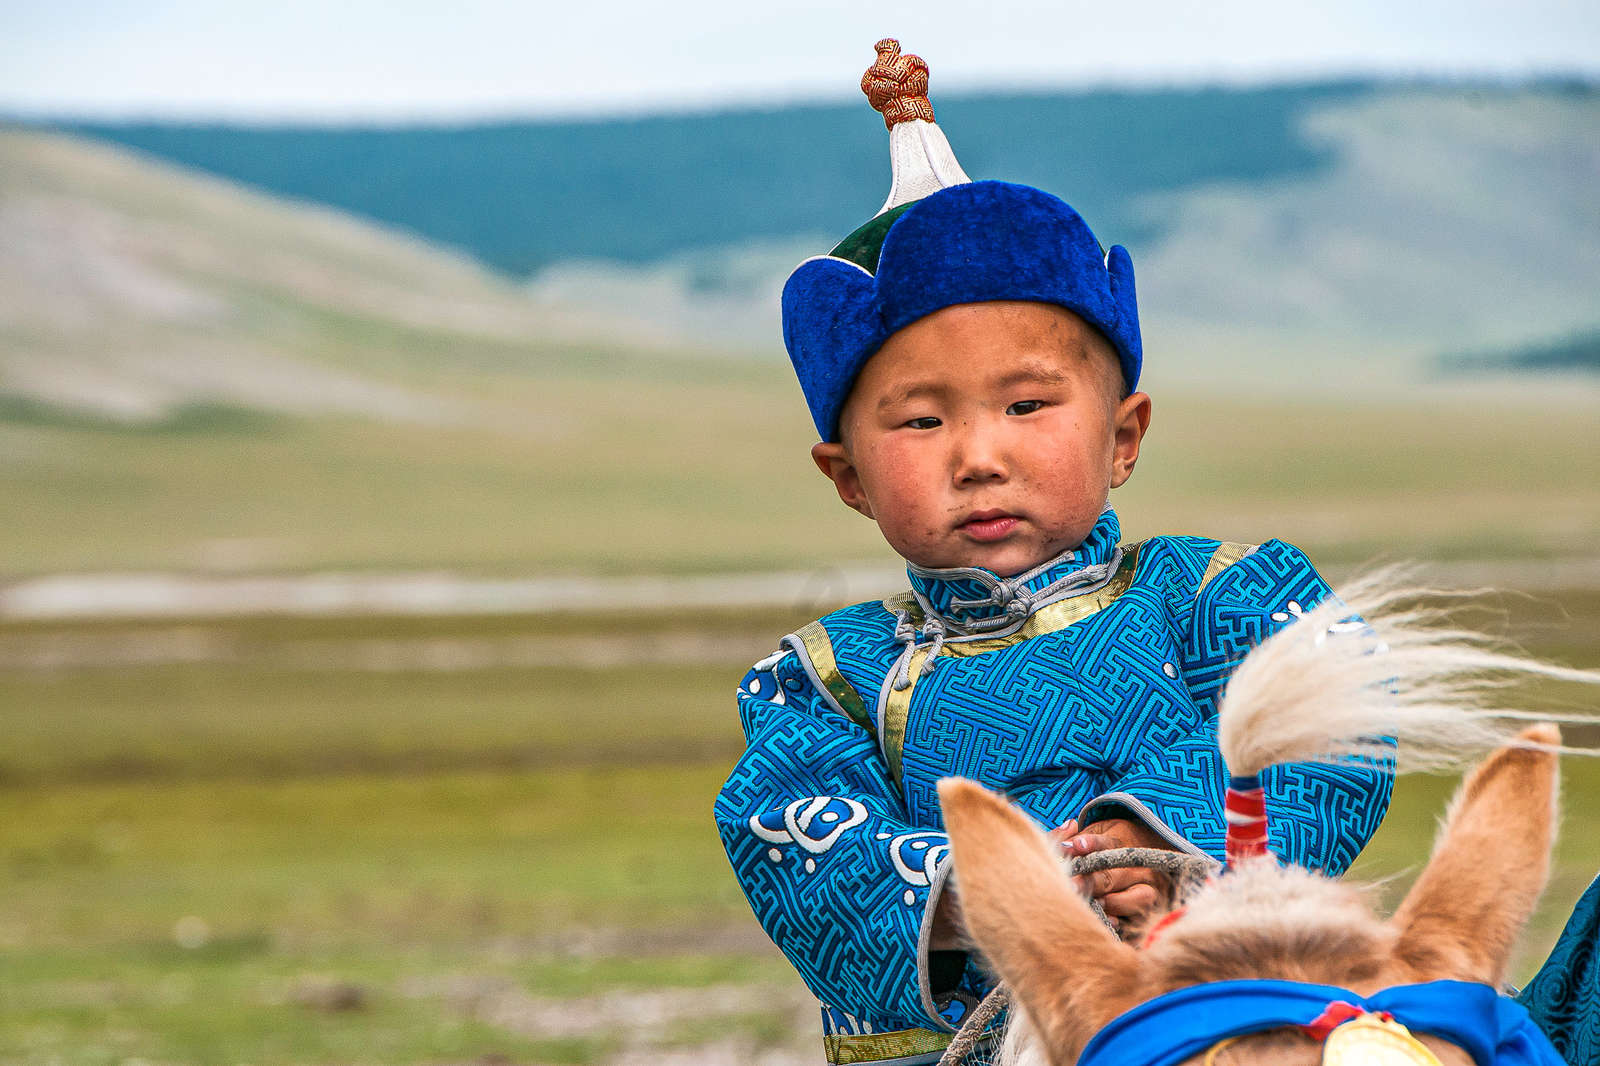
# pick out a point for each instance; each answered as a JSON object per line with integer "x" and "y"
{"x": 1258, "y": 921}
{"x": 1263, "y": 920}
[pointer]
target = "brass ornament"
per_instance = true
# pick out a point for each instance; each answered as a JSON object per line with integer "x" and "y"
{"x": 1373, "y": 1040}
{"x": 897, "y": 85}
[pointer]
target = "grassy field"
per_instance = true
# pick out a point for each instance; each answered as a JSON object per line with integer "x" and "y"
{"x": 277, "y": 842}
{"x": 298, "y": 853}
{"x": 702, "y": 468}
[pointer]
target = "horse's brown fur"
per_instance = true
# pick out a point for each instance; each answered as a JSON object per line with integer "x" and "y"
{"x": 1072, "y": 976}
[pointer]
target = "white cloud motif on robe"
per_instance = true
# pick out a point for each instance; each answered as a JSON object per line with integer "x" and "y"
{"x": 916, "y": 856}
{"x": 815, "y": 823}
{"x": 1293, "y": 611}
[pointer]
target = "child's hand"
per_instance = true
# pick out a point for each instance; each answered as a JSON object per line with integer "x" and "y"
{"x": 948, "y": 931}
{"x": 1124, "y": 893}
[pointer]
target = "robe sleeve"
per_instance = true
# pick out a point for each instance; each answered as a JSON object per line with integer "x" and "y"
{"x": 1320, "y": 816}
{"x": 819, "y": 840}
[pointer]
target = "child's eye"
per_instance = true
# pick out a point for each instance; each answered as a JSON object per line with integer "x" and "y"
{"x": 1025, "y": 407}
{"x": 924, "y": 423}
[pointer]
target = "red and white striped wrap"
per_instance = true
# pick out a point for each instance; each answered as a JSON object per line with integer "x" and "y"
{"x": 1246, "y": 809}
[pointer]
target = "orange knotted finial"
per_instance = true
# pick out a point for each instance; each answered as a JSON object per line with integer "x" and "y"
{"x": 897, "y": 85}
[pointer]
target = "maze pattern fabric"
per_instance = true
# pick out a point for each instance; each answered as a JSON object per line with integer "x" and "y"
{"x": 1564, "y": 996}
{"x": 1095, "y": 711}
{"x": 835, "y": 870}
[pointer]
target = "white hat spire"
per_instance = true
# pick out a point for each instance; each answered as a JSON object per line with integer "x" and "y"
{"x": 920, "y": 157}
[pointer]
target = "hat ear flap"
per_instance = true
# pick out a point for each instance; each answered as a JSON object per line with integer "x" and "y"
{"x": 831, "y": 325}
{"x": 1119, "y": 265}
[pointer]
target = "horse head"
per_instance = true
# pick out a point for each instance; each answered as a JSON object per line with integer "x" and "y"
{"x": 1267, "y": 930}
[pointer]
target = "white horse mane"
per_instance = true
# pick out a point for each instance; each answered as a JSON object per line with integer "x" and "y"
{"x": 1330, "y": 687}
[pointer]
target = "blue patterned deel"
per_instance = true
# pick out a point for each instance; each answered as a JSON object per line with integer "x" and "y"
{"x": 1085, "y": 689}
{"x": 1564, "y": 996}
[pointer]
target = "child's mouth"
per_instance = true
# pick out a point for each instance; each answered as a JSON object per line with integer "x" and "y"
{"x": 989, "y": 527}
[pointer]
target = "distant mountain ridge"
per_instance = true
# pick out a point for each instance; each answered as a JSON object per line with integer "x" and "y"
{"x": 1347, "y": 235}
{"x": 520, "y": 196}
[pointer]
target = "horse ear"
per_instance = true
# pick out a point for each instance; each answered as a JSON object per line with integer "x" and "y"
{"x": 1068, "y": 970}
{"x": 1462, "y": 917}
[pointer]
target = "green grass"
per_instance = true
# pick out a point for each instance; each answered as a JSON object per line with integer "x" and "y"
{"x": 126, "y": 720}
{"x": 460, "y": 850}
{"x": 553, "y": 884}
{"x": 588, "y": 471}
{"x": 218, "y": 1004}
{"x": 539, "y": 835}
{"x": 283, "y": 698}
{"x": 424, "y": 858}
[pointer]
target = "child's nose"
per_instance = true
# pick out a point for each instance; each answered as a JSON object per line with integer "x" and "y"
{"x": 980, "y": 459}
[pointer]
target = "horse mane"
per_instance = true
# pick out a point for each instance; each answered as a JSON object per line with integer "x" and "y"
{"x": 1381, "y": 662}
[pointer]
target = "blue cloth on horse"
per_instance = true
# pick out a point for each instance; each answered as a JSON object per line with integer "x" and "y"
{"x": 1494, "y": 1030}
{"x": 1564, "y": 996}
{"x": 1084, "y": 689}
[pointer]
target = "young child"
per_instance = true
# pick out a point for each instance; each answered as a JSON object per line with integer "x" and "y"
{"x": 971, "y": 357}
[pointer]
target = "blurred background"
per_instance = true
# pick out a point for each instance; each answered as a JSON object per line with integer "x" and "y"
{"x": 401, "y": 466}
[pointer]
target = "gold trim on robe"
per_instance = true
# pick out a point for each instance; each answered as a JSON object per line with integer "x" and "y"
{"x": 1226, "y": 555}
{"x": 819, "y": 648}
{"x": 879, "y": 1047}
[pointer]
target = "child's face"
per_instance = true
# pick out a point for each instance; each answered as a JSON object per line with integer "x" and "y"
{"x": 987, "y": 435}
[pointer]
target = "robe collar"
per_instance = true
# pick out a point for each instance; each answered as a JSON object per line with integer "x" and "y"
{"x": 972, "y": 599}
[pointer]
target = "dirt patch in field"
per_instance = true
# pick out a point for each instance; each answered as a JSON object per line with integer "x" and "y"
{"x": 655, "y": 1026}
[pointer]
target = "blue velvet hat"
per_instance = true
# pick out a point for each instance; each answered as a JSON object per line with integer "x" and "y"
{"x": 942, "y": 239}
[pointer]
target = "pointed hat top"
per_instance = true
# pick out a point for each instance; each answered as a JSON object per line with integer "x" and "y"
{"x": 920, "y": 158}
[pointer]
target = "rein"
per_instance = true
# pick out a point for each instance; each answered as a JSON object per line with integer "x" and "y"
{"x": 1186, "y": 874}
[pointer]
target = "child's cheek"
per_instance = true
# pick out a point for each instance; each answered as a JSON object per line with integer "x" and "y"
{"x": 904, "y": 468}
{"x": 902, "y": 485}
{"x": 1078, "y": 454}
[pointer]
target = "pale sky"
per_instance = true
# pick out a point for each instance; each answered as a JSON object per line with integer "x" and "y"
{"x": 398, "y": 59}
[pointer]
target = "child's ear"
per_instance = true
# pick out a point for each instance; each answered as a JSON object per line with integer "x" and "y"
{"x": 835, "y": 464}
{"x": 1128, "y": 425}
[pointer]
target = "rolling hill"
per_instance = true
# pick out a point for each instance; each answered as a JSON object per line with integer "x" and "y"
{"x": 521, "y": 196}
{"x": 119, "y": 279}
